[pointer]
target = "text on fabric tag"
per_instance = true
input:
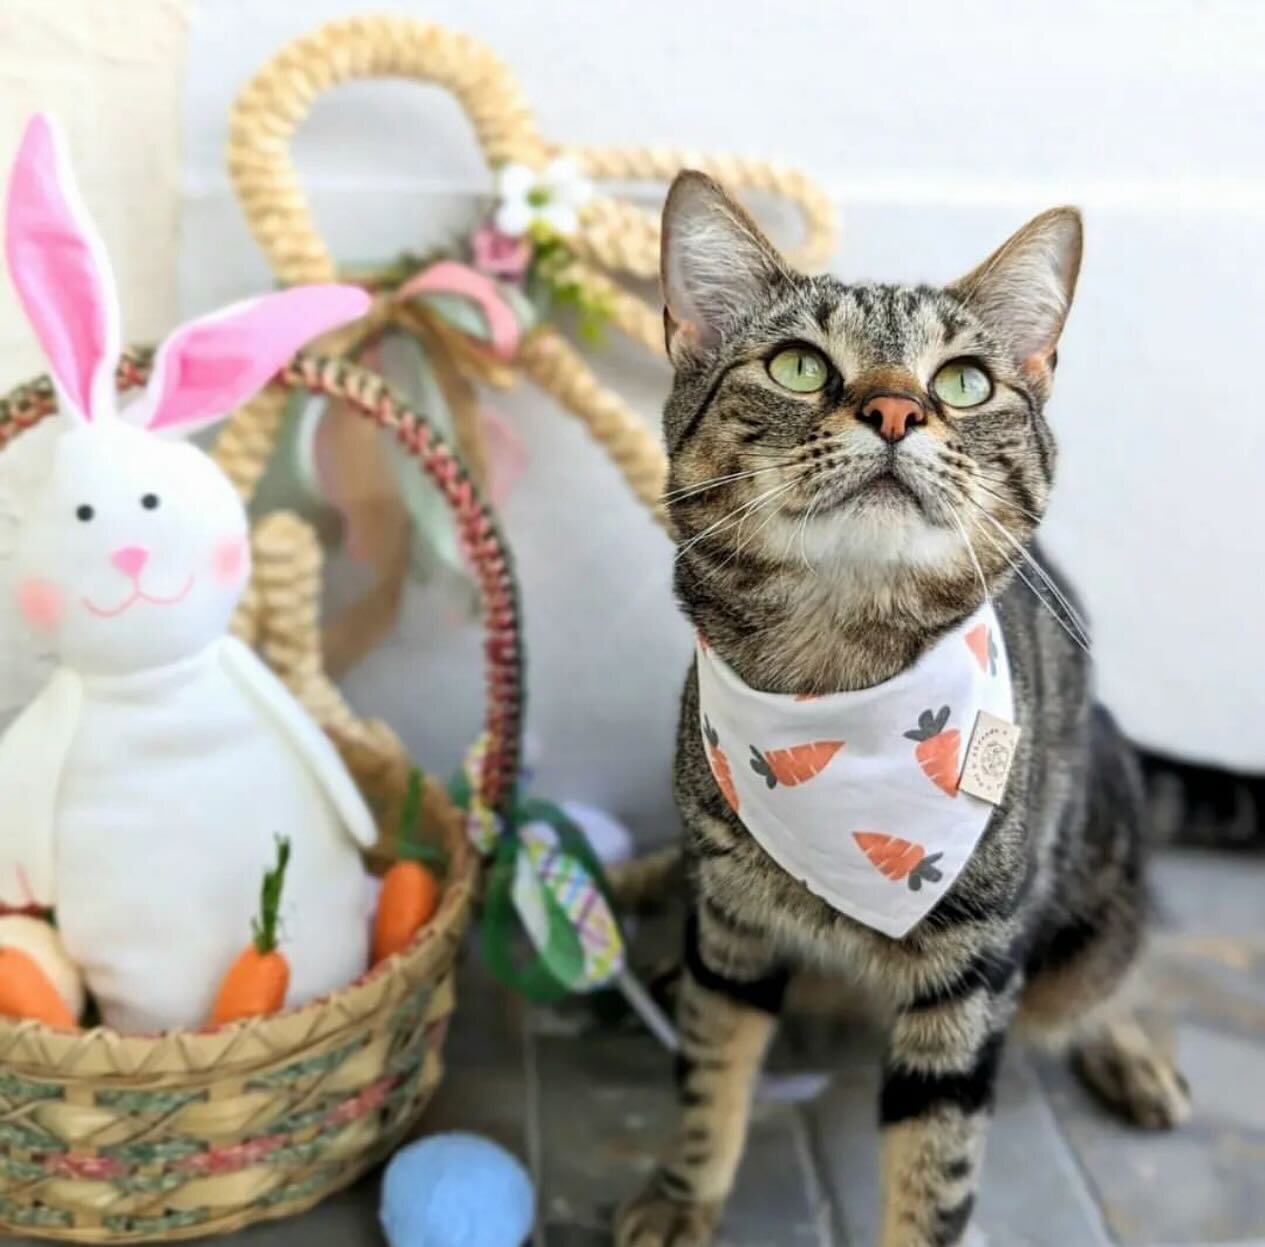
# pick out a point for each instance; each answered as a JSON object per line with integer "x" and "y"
{"x": 988, "y": 758}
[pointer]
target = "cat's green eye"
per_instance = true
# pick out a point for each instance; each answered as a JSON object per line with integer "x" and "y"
{"x": 962, "y": 384}
{"x": 799, "y": 369}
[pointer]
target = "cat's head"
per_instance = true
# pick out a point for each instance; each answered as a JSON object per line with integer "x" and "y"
{"x": 890, "y": 438}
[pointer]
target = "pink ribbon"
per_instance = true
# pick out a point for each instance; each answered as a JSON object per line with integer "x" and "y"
{"x": 450, "y": 277}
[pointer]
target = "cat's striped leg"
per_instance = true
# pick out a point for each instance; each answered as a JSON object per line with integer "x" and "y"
{"x": 731, "y": 992}
{"x": 939, "y": 1074}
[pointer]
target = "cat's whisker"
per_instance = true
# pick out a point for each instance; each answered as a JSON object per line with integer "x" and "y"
{"x": 767, "y": 502}
{"x": 773, "y": 514}
{"x": 737, "y": 515}
{"x": 1009, "y": 502}
{"x": 1032, "y": 562}
{"x": 973, "y": 468}
{"x": 950, "y": 498}
{"x": 741, "y": 543}
{"x": 748, "y": 449}
{"x": 1074, "y": 633}
{"x": 1068, "y": 618}
{"x": 970, "y": 549}
{"x": 688, "y": 491}
{"x": 803, "y": 529}
{"x": 725, "y": 520}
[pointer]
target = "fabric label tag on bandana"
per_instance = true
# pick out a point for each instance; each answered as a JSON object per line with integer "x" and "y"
{"x": 988, "y": 758}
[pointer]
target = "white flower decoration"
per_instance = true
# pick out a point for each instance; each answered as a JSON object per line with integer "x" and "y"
{"x": 552, "y": 196}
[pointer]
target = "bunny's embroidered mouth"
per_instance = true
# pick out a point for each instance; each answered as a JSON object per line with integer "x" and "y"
{"x": 139, "y": 595}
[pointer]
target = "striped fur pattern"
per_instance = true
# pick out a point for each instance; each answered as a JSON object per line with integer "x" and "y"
{"x": 817, "y": 554}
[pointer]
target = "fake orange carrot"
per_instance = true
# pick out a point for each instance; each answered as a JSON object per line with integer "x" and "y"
{"x": 27, "y": 992}
{"x": 411, "y": 888}
{"x": 257, "y": 982}
{"x": 409, "y": 898}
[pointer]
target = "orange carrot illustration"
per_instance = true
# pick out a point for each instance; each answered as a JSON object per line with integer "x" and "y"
{"x": 938, "y": 750}
{"x": 981, "y": 644}
{"x": 899, "y": 859}
{"x": 795, "y": 765}
{"x": 719, "y": 763}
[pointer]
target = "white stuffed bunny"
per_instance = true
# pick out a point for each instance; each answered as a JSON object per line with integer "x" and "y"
{"x": 142, "y": 790}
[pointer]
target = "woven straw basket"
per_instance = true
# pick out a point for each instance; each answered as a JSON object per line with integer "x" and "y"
{"x": 106, "y": 1138}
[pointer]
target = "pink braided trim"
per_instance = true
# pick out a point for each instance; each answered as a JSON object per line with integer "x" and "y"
{"x": 480, "y": 543}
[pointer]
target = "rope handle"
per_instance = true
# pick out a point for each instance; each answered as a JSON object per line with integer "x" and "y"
{"x": 481, "y": 540}
{"x": 625, "y": 237}
{"x": 614, "y": 237}
{"x": 278, "y": 99}
{"x": 614, "y": 233}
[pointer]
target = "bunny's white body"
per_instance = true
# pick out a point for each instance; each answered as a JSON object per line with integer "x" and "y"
{"x": 175, "y": 784}
{"x": 142, "y": 791}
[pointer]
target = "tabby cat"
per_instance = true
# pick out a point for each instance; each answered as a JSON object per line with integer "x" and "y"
{"x": 855, "y": 470}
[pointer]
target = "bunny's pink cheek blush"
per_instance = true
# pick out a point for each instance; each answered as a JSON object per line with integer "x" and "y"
{"x": 42, "y": 604}
{"x": 229, "y": 562}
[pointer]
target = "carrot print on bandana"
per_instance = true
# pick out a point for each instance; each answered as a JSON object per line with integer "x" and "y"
{"x": 899, "y": 859}
{"x": 939, "y": 751}
{"x": 980, "y": 642}
{"x": 721, "y": 770}
{"x": 796, "y": 765}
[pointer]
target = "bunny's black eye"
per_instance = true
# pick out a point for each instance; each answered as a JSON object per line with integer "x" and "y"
{"x": 150, "y": 502}
{"x": 85, "y": 513}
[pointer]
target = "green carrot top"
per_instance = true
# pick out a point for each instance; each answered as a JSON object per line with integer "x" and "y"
{"x": 264, "y": 928}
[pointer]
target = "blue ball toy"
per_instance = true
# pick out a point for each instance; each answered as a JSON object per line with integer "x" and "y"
{"x": 456, "y": 1190}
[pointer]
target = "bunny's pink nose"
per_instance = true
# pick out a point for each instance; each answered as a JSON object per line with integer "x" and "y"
{"x": 130, "y": 560}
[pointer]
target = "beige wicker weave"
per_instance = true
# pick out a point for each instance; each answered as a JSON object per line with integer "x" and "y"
{"x": 106, "y": 1138}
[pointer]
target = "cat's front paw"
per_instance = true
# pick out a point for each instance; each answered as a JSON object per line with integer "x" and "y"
{"x": 651, "y": 1219}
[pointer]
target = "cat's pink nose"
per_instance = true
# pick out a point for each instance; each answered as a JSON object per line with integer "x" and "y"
{"x": 130, "y": 560}
{"x": 892, "y": 415}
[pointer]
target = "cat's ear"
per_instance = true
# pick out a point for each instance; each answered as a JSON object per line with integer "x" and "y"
{"x": 715, "y": 264}
{"x": 1024, "y": 289}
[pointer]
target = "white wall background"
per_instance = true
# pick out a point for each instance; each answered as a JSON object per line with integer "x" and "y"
{"x": 937, "y": 128}
{"x": 117, "y": 87}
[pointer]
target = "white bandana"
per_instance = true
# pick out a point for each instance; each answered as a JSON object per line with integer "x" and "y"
{"x": 856, "y": 794}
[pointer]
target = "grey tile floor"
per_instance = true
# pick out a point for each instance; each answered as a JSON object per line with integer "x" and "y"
{"x": 585, "y": 1104}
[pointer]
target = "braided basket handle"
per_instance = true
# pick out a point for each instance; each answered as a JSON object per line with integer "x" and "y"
{"x": 616, "y": 234}
{"x": 481, "y": 540}
{"x": 278, "y": 99}
{"x": 624, "y": 237}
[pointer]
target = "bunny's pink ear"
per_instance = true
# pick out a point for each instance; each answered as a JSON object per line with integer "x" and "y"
{"x": 209, "y": 366}
{"x": 61, "y": 272}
